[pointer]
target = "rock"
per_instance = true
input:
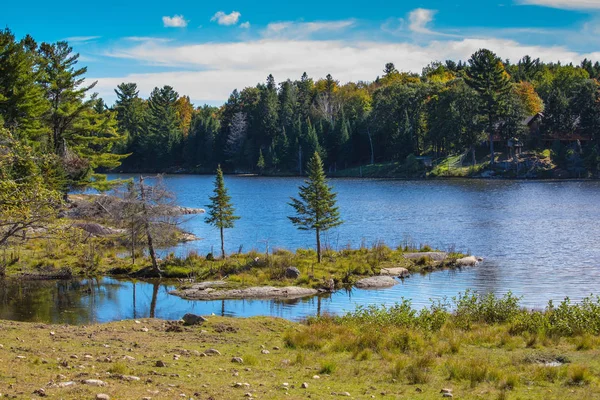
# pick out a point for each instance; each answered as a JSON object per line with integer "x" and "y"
{"x": 292, "y": 273}
{"x": 88, "y": 357}
{"x": 40, "y": 392}
{"x": 193, "y": 319}
{"x": 262, "y": 292}
{"x": 304, "y": 385}
{"x": 275, "y": 348}
{"x": 94, "y": 382}
{"x": 130, "y": 378}
{"x": 65, "y": 384}
{"x": 74, "y": 357}
{"x": 238, "y": 360}
{"x": 446, "y": 391}
{"x": 102, "y": 396}
{"x": 212, "y": 352}
{"x": 470, "y": 261}
{"x": 160, "y": 364}
{"x": 341, "y": 394}
{"x": 316, "y": 377}
{"x": 265, "y": 351}
{"x": 128, "y": 358}
{"x": 376, "y": 282}
{"x": 447, "y": 395}
{"x": 399, "y": 272}
{"x": 20, "y": 357}
{"x": 144, "y": 329}
{"x": 434, "y": 255}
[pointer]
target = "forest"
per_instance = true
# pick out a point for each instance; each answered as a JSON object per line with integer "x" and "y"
{"x": 61, "y": 129}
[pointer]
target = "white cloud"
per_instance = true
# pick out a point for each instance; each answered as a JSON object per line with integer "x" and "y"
{"x": 245, "y": 25}
{"x": 81, "y": 39}
{"x": 226, "y": 19}
{"x": 565, "y": 4}
{"x": 297, "y": 30}
{"x": 419, "y": 19}
{"x": 176, "y": 21}
{"x": 147, "y": 39}
{"x": 210, "y": 71}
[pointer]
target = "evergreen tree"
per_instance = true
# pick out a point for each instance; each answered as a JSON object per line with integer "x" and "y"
{"x": 22, "y": 100}
{"x": 220, "y": 210}
{"x": 316, "y": 209}
{"x": 261, "y": 161}
{"x": 163, "y": 133}
{"x": 130, "y": 111}
{"x": 80, "y": 135}
{"x": 489, "y": 78}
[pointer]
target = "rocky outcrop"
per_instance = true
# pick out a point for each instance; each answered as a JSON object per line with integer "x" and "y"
{"x": 398, "y": 272}
{"x": 193, "y": 319}
{"x": 470, "y": 261}
{"x": 200, "y": 292}
{"x": 376, "y": 282}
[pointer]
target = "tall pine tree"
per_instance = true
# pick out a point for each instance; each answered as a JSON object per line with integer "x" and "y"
{"x": 220, "y": 210}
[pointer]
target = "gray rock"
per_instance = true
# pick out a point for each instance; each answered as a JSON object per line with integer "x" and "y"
{"x": 212, "y": 352}
{"x": 375, "y": 282}
{"x": 261, "y": 292}
{"x": 399, "y": 272}
{"x": 160, "y": 364}
{"x": 304, "y": 385}
{"x": 470, "y": 261}
{"x": 193, "y": 319}
{"x": 292, "y": 273}
{"x": 238, "y": 360}
{"x": 102, "y": 396}
{"x": 94, "y": 382}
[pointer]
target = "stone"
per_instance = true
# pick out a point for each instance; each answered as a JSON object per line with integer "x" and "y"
{"x": 128, "y": 358}
{"x": 292, "y": 273}
{"x": 94, "y": 382}
{"x": 259, "y": 292}
{"x": 130, "y": 378}
{"x": 212, "y": 352}
{"x": 470, "y": 261}
{"x": 398, "y": 272}
{"x": 65, "y": 384}
{"x": 275, "y": 347}
{"x": 144, "y": 329}
{"x": 102, "y": 396}
{"x": 160, "y": 364}
{"x": 376, "y": 282}
{"x": 445, "y": 390}
{"x": 248, "y": 394}
{"x": 447, "y": 395}
{"x": 316, "y": 377}
{"x": 238, "y": 360}
{"x": 193, "y": 319}
{"x": 265, "y": 351}
{"x": 40, "y": 392}
{"x": 304, "y": 385}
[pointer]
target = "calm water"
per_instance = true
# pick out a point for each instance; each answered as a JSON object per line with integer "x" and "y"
{"x": 538, "y": 239}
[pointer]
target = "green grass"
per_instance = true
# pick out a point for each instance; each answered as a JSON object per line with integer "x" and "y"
{"x": 403, "y": 355}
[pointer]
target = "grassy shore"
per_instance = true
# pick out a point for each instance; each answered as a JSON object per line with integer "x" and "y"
{"x": 487, "y": 349}
{"x": 74, "y": 254}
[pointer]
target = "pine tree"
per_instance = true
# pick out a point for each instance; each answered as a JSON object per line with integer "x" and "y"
{"x": 22, "y": 100}
{"x": 489, "y": 78}
{"x": 80, "y": 135}
{"x": 316, "y": 209}
{"x": 220, "y": 210}
{"x": 261, "y": 161}
{"x": 163, "y": 133}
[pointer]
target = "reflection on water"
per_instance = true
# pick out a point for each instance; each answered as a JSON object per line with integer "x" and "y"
{"x": 539, "y": 240}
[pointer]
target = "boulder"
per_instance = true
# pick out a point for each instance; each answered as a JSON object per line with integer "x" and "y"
{"x": 193, "y": 319}
{"x": 399, "y": 272}
{"x": 376, "y": 282}
{"x": 292, "y": 273}
{"x": 470, "y": 261}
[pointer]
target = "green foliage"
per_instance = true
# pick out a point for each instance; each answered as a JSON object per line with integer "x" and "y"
{"x": 316, "y": 209}
{"x": 220, "y": 211}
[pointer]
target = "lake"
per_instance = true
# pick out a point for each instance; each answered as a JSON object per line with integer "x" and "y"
{"x": 538, "y": 240}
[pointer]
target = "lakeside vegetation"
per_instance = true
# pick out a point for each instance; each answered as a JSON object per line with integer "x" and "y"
{"x": 486, "y": 347}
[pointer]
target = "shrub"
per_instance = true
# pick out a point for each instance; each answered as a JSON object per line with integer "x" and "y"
{"x": 328, "y": 367}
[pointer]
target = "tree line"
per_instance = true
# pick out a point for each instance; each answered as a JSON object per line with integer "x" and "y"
{"x": 450, "y": 108}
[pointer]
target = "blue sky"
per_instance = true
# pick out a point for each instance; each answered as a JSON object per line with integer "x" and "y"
{"x": 206, "y": 50}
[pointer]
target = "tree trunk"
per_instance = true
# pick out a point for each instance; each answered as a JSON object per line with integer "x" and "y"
{"x": 473, "y": 155}
{"x": 147, "y": 228}
{"x": 318, "y": 246}
{"x": 491, "y": 134}
{"x": 222, "y": 245}
{"x": 154, "y": 299}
